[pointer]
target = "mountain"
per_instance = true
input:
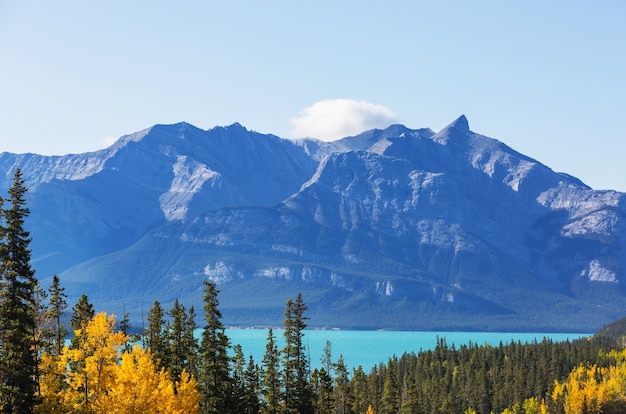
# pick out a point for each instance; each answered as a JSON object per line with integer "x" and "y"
{"x": 393, "y": 229}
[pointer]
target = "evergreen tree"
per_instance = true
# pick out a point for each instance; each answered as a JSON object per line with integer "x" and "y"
{"x": 238, "y": 377}
{"x": 82, "y": 313}
{"x": 390, "y": 397}
{"x": 124, "y": 327}
{"x": 341, "y": 389}
{"x": 214, "y": 381}
{"x": 327, "y": 357}
{"x": 298, "y": 398}
{"x": 17, "y": 306}
{"x": 270, "y": 377}
{"x": 323, "y": 391}
{"x": 251, "y": 403}
{"x": 359, "y": 400}
{"x": 155, "y": 336}
{"x": 179, "y": 352}
{"x": 124, "y": 324}
{"x": 57, "y": 306}
{"x": 191, "y": 343}
{"x": 43, "y": 334}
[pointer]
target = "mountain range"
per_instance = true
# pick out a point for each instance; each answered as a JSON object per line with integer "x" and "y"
{"x": 390, "y": 229}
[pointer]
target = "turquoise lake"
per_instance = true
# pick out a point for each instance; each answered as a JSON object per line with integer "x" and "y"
{"x": 368, "y": 348}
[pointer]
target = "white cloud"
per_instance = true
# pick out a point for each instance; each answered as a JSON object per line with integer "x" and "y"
{"x": 332, "y": 119}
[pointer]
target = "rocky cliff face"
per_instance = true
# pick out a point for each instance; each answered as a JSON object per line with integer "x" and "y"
{"x": 394, "y": 228}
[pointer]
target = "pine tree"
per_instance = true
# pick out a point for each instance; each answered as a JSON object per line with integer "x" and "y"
{"x": 323, "y": 387}
{"x": 124, "y": 324}
{"x": 359, "y": 400}
{"x": 179, "y": 349}
{"x": 82, "y": 313}
{"x": 341, "y": 390}
{"x": 251, "y": 403}
{"x": 58, "y": 305}
{"x": 191, "y": 343}
{"x": 155, "y": 336}
{"x": 238, "y": 377}
{"x": 214, "y": 381}
{"x": 298, "y": 398}
{"x": 390, "y": 400}
{"x": 42, "y": 334}
{"x": 124, "y": 327}
{"x": 270, "y": 377}
{"x": 17, "y": 306}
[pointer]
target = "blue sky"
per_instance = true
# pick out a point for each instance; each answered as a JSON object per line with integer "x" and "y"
{"x": 546, "y": 78}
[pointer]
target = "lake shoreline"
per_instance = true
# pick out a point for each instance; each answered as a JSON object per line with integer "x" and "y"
{"x": 368, "y": 348}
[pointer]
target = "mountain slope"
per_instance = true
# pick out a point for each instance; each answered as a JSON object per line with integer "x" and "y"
{"x": 394, "y": 228}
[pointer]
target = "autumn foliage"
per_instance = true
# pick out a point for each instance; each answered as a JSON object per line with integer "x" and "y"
{"x": 98, "y": 377}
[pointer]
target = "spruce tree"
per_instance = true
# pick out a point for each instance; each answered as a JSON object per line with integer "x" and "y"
{"x": 298, "y": 398}
{"x": 155, "y": 338}
{"x": 214, "y": 381}
{"x": 251, "y": 403}
{"x": 178, "y": 347}
{"x": 341, "y": 390}
{"x": 191, "y": 343}
{"x": 323, "y": 387}
{"x": 17, "y": 305}
{"x": 82, "y": 313}
{"x": 271, "y": 377}
{"x": 359, "y": 391}
{"x": 124, "y": 327}
{"x": 58, "y": 304}
{"x": 238, "y": 377}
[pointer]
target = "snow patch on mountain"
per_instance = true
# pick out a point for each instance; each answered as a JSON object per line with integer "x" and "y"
{"x": 384, "y": 288}
{"x": 220, "y": 273}
{"x": 441, "y": 233}
{"x": 277, "y": 272}
{"x": 598, "y": 223}
{"x": 339, "y": 281}
{"x": 189, "y": 177}
{"x": 578, "y": 200}
{"x": 596, "y": 272}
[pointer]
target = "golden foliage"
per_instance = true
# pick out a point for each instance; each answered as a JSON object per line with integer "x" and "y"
{"x": 591, "y": 389}
{"x": 99, "y": 378}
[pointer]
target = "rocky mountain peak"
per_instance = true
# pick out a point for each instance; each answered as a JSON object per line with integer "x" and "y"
{"x": 462, "y": 231}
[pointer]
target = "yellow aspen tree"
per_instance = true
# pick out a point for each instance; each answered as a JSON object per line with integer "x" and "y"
{"x": 98, "y": 377}
{"x": 186, "y": 398}
{"x": 370, "y": 410}
{"x": 137, "y": 387}
{"x": 588, "y": 388}
{"x": 52, "y": 386}
{"x": 531, "y": 406}
{"x": 91, "y": 366}
{"x": 140, "y": 387}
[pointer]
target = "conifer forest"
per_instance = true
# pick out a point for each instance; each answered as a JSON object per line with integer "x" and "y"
{"x": 98, "y": 364}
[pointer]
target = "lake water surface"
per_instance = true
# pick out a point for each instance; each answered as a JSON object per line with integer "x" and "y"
{"x": 368, "y": 348}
